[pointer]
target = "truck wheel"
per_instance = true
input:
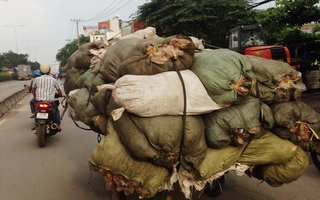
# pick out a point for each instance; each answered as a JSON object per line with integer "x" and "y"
{"x": 315, "y": 157}
{"x": 41, "y": 134}
{"x": 216, "y": 188}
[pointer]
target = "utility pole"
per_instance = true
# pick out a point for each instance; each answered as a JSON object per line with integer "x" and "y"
{"x": 77, "y": 22}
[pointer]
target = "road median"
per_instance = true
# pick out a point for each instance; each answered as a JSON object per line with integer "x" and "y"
{"x": 9, "y": 102}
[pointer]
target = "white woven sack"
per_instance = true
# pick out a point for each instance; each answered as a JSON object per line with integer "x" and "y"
{"x": 161, "y": 94}
{"x": 142, "y": 33}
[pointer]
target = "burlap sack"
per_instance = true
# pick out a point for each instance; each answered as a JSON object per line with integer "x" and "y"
{"x": 224, "y": 73}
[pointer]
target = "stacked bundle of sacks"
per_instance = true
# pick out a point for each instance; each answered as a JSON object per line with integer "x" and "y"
{"x": 171, "y": 113}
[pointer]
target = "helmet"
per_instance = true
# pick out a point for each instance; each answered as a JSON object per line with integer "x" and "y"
{"x": 37, "y": 72}
{"x": 45, "y": 68}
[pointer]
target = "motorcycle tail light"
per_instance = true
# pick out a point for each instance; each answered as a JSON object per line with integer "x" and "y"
{"x": 43, "y": 106}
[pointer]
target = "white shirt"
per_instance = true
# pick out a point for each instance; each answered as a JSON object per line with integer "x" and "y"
{"x": 46, "y": 87}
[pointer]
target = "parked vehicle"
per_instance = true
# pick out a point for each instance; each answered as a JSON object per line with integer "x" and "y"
{"x": 250, "y": 40}
{"x": 45, "y": 126}
{"x": 24, "y": 72}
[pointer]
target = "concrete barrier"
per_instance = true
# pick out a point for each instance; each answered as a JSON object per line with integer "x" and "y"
{"x": 7, "y": 104}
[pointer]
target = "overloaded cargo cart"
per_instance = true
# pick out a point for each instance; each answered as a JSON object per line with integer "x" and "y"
{"x": 170, "y": 111}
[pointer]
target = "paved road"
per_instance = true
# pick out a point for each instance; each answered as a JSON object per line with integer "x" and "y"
{"x": 60, "y": 170}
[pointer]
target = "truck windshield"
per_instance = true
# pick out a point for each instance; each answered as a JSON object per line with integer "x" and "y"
{"x": 251, "y": 38}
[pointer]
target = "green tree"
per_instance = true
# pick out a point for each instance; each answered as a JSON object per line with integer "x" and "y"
{"x": 209, "y": 20}
{"x": 12, "y": 60}
{"x": 65, "y": 52}
{"x": 283, "y": 22}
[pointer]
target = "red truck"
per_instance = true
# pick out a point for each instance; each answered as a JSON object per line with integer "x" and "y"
{"x": 250, "y": 40}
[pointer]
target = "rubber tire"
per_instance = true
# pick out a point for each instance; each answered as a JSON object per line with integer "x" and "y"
{"x": 41, "y": 134}
{"x": 315, "y": 159}
{"x": 122, "y": 196}
{"x": 216, "y": 188}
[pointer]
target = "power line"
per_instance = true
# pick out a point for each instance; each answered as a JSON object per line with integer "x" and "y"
{"x": 71, "y": 30}
{"x": 259, "y": 3}
{"x": 110, "y": 11}
{"x": 101, "y": 13}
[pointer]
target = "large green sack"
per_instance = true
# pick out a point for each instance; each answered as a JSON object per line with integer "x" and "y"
{"x": 130, "y": 56}
{"x": 267, "y": 150}
{"x": 224, "y": 73}
{"x": 90, "y": 79}
{"x": 289, "y": 116}
{"x": 111, "y": 155}
{"x": 277, "y": 175}
{"x": 269, "y": 72}
{"x": 142, "y": 62}
{"x": 279, "y": 79}
{"x": 81, "y": 58}
{"x": 84, "y": 110}
{"x": 248, "y": 118}
{"x": 270, "y": 95}
{"x": 72, "y": 75}
{"x": 159, "y": 139}
{"x": 101, "y": 99}
{"x": 218, "y": 160}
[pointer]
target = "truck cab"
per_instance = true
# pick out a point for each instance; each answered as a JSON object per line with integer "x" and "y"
{"x": 250, "y": 40}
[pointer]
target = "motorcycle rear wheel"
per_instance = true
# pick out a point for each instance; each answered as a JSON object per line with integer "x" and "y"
{"x": 41, "y": 134}
{"x": 315, "y": 159}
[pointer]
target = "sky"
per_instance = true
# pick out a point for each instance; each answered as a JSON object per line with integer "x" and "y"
{"x": 40, "y": 28}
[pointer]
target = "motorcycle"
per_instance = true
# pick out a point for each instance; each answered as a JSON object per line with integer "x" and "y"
{"x": 45, "y": 126}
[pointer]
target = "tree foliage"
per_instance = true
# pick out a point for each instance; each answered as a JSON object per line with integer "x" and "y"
{"x": 283, "y": 22}
{"x": 297, "y": 12}
{"x": 211, "y": 19}
{"x": 11, "y": 60}
{"x": 65, "y": 52}
{"x": 205, "y": 19}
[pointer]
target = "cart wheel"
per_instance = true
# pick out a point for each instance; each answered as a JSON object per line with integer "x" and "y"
{"x": 115, "y": 195}
{"x": 315, "y": 156}
{"x": 216, "y": 188}
{"x": 122, "y": 196}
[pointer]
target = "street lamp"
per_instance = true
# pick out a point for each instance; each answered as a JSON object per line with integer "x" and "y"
{"x": 28, "y": 45}
{"x": 15, "y": 33}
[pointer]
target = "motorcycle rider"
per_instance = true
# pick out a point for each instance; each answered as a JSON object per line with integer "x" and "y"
{"x": 44, "y": 89}
{"x": 36, "y": 74}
